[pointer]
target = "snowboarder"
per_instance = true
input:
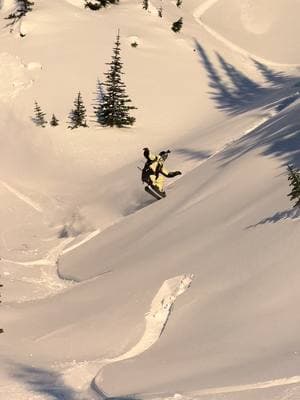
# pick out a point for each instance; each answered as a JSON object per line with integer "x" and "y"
{"x": 154, "y": 171}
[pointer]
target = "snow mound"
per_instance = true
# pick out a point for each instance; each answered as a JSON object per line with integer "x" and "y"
{"x": 14, "y": 77}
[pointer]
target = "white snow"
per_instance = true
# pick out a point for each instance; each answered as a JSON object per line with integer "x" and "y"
{"x": 92, "y": 267}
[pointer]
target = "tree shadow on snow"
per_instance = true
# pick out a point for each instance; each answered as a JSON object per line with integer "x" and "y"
{"x": 44, "y": 381}
{"x": 191, "y": 154}
{"x": 277, "y": 138}
{"x": 235, "y": 93}
{"x": 277, "y": 217}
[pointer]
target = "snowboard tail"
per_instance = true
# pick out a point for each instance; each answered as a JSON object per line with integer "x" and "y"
{"x": 155, "y": 194}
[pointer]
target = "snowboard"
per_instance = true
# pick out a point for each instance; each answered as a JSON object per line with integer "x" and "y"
{"x": 153, "y": 193}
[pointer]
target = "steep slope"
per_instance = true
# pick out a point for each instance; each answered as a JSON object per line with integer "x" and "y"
{"x": 227, "y": 225}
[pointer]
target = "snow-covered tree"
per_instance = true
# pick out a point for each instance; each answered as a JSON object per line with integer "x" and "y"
{"x": 114, "y": 107}
{"x": 100, "y": 93}
{"x": 97, "y": 4}
{"x": 54, "y": 121}
{"x": 78, "y": 114}
{"x": 294, "y": 179}
{"x": 145, "y": 4}
{"x": 39, "y": 116}
{"x": 22, "y": 8}
{"x": 177, "y": 25}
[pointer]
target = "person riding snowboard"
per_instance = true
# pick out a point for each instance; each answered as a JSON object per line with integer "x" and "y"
{"x": 154, "y": 171}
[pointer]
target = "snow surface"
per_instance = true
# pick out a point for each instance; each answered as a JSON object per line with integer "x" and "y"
{"x": 92, "y": 267}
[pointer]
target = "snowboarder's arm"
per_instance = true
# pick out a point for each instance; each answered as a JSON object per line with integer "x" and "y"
{"x": 169, "y": 174}
{"x": 148, "y": 155}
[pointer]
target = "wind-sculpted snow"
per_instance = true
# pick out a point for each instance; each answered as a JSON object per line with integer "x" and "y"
{"x": 156, "y": 321}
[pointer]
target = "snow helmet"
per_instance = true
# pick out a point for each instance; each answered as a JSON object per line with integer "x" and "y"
{"x": 164, "y": 154}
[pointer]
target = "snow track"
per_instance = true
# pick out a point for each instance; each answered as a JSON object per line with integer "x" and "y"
{"x": 22, "y": 197}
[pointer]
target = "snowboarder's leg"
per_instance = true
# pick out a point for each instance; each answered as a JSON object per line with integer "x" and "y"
{"x": 158, "y": 185}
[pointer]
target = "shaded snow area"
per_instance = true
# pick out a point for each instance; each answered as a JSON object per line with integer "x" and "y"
{"x": 108, "y": 293}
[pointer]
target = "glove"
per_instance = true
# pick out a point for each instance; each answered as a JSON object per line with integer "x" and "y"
{"x": 175, "y": 173}
{"x": 146, "y": 152}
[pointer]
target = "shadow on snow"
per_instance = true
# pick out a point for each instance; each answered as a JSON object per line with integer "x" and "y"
{"x": 44, "y": 381}
{"x": 191, "y": 154}
{"x": 277, "y": 217}
{"x": 234, "y": 92}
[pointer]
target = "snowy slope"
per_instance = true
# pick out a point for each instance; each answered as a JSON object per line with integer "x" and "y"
{"x": 98, "y": 311}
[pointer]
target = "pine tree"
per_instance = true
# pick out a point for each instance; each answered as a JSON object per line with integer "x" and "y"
{"x": 177, "y": 25}
{"x": 145, "y": 4}
{"x": 78, "y": 114}
{"x": 39, "y": 117}
{"x": 25, "y": 5}
{"x": 178, "y": 3}
{"x": 97, "y": 4}
{"x": 54, "y": 121}
{"x": 294, "y": 178}
{"x": 114, "y": 108}
{"x": 22, "y": 8}
{"x": 100, "y": 93}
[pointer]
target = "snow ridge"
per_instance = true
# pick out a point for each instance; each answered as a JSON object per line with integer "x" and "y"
{"x": 156, "y": 320}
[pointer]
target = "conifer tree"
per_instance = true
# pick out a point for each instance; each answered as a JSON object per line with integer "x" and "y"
{"x": 97, "y": 4}
{"x": 145, "y": 4}
{"x": 78, "y": 114}
{"x": 54, "y": 121}
{"x": 22, "y": 8}
{"x": 177, "y": 25}
{"x": 39, "y": 117}
{"x": 294, "y": 178}
{"x": 114, "y": 108}
{"x": 100, "y": 93}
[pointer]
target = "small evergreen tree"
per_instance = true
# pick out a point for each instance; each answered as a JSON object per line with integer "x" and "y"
{"x": 100, "y": 93}
{"x": 22, "y": 8}
{"x": 178, "y": 3}
{"x": 160, "y": 12}
{"x": 78, "y": 114}
{"x": 145, "y": 4}
{"x": 39, "y": 117}
{"x": 177, "y": 25}
{"x": 97, "y": 4}
{"x": 54, "y": 121}
{"x": 294, "y": 178}
{"x": 114, "y": 109}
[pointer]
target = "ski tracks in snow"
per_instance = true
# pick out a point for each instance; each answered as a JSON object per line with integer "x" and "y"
{"x": 22, "y": 197}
